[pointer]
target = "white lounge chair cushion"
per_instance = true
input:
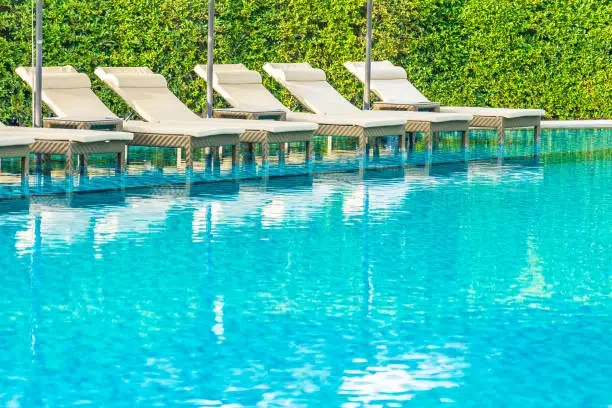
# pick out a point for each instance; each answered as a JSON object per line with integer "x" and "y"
{"x": 87, "y": 118}
{"x": 315, "y": 94}
{"x": 345, "y": 120}
{"x": 137, "y": 80}
{"x": 321, "y": 97}
{"x": 495, "y": 112}
{"x": 265, "y": 125}
{"x": 253, "y": 97}
{"x": 297, "y": 72}
{"x": 237, "y": 77}
{"x": 273, "y": 126}
{"x": 390, "y": 83}
{"x": 158, "y": 104}
{"x": 304, "y": 75}
{"x": 56, "y": 77}
{"x": 240, "y": 87}
{"x": 379, "y": 70}
{"x": 228, "y": 74}
{"x": 256, "y": 97}
{"x": 248, "y": 77}
{"x": 66, "y": 80}
{"x": 76, "y": 102}
{"x": 72, "y": 135}
{"x": 397, "y": 91}
{"x": 145, "y": 92}
{"x": 181, "y": 128}
{"x": 68, "y": 93}
{"x": 432, "y": 117}
{"x": 386, "y": 73}
{"x": 7, "y": 140}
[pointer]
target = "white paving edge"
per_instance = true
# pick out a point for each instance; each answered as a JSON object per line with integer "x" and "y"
{"x": 576, "y": 124}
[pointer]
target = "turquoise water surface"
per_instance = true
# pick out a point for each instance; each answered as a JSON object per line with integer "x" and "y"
{"x": 481, "y": 282}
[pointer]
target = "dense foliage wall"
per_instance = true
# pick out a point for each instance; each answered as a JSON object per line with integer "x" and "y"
{"x": 554, "y": 54}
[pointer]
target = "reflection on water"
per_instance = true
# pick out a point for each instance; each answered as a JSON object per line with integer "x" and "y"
{"x": 158, "y": 166}
{"x": 428, "y": 284}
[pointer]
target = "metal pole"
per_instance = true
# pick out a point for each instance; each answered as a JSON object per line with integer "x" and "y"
{"x": 37, "y": 119}
{"x": 368, "y": 61}
{"x": 209, "y": 59}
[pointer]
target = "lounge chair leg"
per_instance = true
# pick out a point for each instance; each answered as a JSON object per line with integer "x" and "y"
{"x": 536, "y": 135}
{"x": 38, "y": 159}
{"x": 430, "y": 136}
{"x": 465, "y": 139}
{"x": 82, "y": 160}
{"x": 265, "y": 152}
{"x": 25, "y": 165}
{"x": 251, "y": 150}
{"x": 411, "y": 140}
{"x": 376, "y": 150}
{"x": 69, "y": 163}
{"x": 188, "y": 157}
{"x": 46, "y": 163}
{"x": 309, "y": 155}
{"x": 236, "y": 154}
{"x": 363, "y": 144}
{"x": 329, "y": 144}
{"x": 121, "y": 158}
{"x": 500, "y": 134}
{"x": 179, "y": 157}
{"x": 368, "y": 147}
{"x": 401, "y": 142}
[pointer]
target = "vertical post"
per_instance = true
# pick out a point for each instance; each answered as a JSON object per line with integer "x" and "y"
{"x": 37, "y": 109}
{"x": 368, "y": 61}
{"x": 209, "y": 58}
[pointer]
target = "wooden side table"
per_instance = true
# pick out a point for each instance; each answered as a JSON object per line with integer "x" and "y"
{"x": 413, "y": 107}
{"x": 235, "y": 113}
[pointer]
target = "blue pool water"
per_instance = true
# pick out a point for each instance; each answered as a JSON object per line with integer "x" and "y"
{"x": 471, "y": 283}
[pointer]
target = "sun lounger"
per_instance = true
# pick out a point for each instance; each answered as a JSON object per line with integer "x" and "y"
{"x": 243, "y": 89}
{"x": 15, "y": 144}
{"x": 69, "y": 142}
{"x": 69, "y": 95}
{"x": 390, "y": 83}
{"x": 310, "y": 87}
{"x": 148, "y": 95}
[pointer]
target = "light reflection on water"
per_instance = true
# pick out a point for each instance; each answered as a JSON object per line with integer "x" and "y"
{"x": 382, "y": 287}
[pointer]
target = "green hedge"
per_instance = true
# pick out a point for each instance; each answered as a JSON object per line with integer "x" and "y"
{"x": 553, "y": 54}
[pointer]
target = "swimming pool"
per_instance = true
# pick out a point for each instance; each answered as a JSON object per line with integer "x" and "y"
{"x": 479, "y": 282}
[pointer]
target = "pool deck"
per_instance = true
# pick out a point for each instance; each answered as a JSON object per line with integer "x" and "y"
{"x": 577, "y": 124}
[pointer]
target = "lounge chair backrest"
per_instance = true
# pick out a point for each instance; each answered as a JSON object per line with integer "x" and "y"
{"x": 388, "y": 82}
{"x": 241, "y": 87}
{"x": 146, "y": 93}
{"x": 67, "y": 92}
{"x": 310, "y": 87}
